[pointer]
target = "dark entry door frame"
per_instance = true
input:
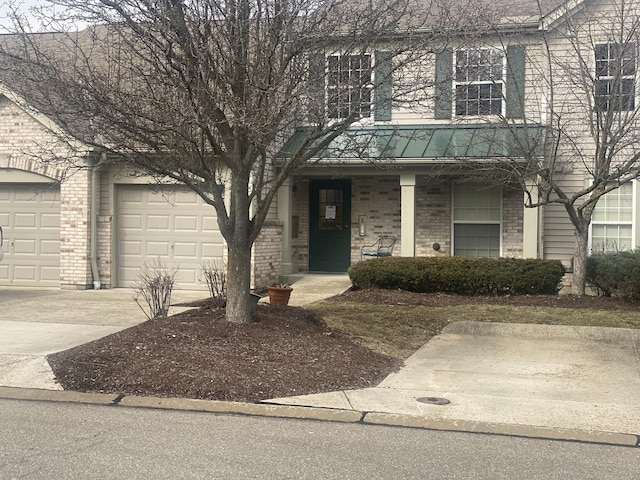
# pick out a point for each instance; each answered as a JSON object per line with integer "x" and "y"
{"x": 329, "y": 225}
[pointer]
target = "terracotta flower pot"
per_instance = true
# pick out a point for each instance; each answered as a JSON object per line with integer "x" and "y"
{"x": 279, "y": 295}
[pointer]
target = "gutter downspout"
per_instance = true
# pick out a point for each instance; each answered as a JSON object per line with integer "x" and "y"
{"x": 93, "y": 233}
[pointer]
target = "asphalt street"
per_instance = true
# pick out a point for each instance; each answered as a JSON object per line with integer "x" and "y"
{"x": 43, "y": 440}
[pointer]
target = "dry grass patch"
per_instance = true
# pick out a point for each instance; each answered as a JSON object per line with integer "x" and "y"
{"x": 398, "y": 324}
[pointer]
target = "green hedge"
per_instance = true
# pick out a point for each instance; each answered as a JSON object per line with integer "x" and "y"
{"x": 462, "y": 275}
{"x": 615, "y": 273}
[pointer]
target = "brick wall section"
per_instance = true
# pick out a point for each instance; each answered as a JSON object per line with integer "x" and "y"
{"x": 512, "y": 222}
{"x": 24, "y": 141}
{"x": 267, "y": 255}
{"x": 433, "y": 217}
{"x": 25, "y": 144}
{"x": 377, "y": 198}
{"x": 75, "y": 269}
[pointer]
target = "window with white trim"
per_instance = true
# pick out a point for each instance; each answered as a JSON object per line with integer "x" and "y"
{"x": 479, "y": 82}
{"x": 349, "y": 86}
{"x": 615, "y": 88}
{"x": 612, "y": 221}
{"x": 477, "y": 214}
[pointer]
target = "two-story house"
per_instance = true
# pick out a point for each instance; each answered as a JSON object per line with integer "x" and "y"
{"x": 425, "y": 174}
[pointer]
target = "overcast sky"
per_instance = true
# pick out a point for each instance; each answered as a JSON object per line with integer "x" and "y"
{"x": 22, "y": 6}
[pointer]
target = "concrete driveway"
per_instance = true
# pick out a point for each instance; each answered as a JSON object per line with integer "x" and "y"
{"x": 35, "y": 322}
{"x": 555, "y": 381}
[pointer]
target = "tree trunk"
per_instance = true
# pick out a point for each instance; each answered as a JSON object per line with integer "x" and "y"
{"x": 579, "y": 280}
{"x": 238, "y": 282}
{"x": 239, "y": 249}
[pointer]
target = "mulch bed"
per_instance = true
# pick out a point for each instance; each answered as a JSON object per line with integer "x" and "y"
{"x": 286, "y": 351}
{"x": 401, "y": 297}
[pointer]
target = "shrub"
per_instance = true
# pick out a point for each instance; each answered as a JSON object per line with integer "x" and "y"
{"x": 615, "y": 273}
{"x": 153, "y": 285}
{"x": 462, "y": 275}
{"x": 215, "y": 275}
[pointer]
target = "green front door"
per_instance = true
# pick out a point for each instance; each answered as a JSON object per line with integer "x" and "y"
{"x": 330, "y": 225}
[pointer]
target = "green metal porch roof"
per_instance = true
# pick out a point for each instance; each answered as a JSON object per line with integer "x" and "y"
{"x": 426, "y": 142}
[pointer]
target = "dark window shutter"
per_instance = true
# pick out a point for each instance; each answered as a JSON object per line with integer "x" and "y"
{"x": 515, "y": 82}
{"x": 443, "y": 86}
{"x": 383, "y": 86}
{"x": 316, "y": 88}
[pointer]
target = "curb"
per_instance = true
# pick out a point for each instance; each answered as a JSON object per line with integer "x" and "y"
{"x": 181, "y": 404}
{"x": 528, "y": 431}
{"x": 320, "y": 414}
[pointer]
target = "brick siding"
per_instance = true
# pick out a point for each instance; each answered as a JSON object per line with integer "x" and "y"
{"x": 266, "y": 255}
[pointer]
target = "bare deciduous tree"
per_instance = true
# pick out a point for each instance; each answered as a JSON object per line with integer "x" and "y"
{"x": 205, "y": 92}
{"x": 580, "y": 91}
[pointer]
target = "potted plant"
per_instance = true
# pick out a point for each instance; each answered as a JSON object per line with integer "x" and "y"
{"x": 279, "y": 294}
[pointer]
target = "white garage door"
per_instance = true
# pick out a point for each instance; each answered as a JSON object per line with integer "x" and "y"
{"x": 30, "y": 219}
{"x": 173, "y": 226}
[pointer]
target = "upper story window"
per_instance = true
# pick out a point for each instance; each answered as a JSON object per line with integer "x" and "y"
{"x": 478, "y": 82}
{"x": 615, "y": 77}
{"x": 349, "y": 86}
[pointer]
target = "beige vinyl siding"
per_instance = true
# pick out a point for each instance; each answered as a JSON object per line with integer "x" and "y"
{"x": 558, "y": 232}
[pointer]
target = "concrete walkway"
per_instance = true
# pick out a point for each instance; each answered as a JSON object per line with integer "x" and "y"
{"x": 35, "y": 322}
{"x": 580, "y": 383}
{"x": 505, "y": 377}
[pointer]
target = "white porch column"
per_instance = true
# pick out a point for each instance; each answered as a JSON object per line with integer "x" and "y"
{"x": 531, "y": 226}
{"x": 408, "y": 215}
{"x": 285, "y": 200}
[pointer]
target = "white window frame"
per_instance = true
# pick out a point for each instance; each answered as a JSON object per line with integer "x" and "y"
{"x": 607, "y": 78}
{"x": 490, "y": 82}
{"x": 455, "y": 222}
{"x": 632, "y": 222}
{"x": 369, "y": 85}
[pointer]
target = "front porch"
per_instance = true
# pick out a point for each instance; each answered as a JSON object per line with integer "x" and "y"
{"x": 418, "y": 183}
{"x": 425, "y": 213}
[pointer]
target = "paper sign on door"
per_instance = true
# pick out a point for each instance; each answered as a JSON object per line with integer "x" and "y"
{"x": 330, "y": 212}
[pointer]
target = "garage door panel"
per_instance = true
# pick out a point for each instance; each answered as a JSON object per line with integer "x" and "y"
{"x": 25, "y": 273}
{"x": 186, "y": 223}
{"x": 48, "y": 274}
{"x": 187, "y": 276}
{"x": 187, "y": 198}
{"x": 50, "y": 221}
{"x": 185, "y": 250}
{"x": 30, "y": 218}
{"x": 158, "y": 222}
{"x": 162, "y": 198}
{"x": 25, "y": 220}
{"x": 212, "y": 251}
{"x": 131, "y": 221}
{"x": 210, "y": 223}
{"x": 49, "y": 247}
{"x": 131, "y": 248}
{"x": 176, "y": 228}
{"x": 157, "y": 249}
{"x": 131, "y": 195}
{"x": 24, "y": 247}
